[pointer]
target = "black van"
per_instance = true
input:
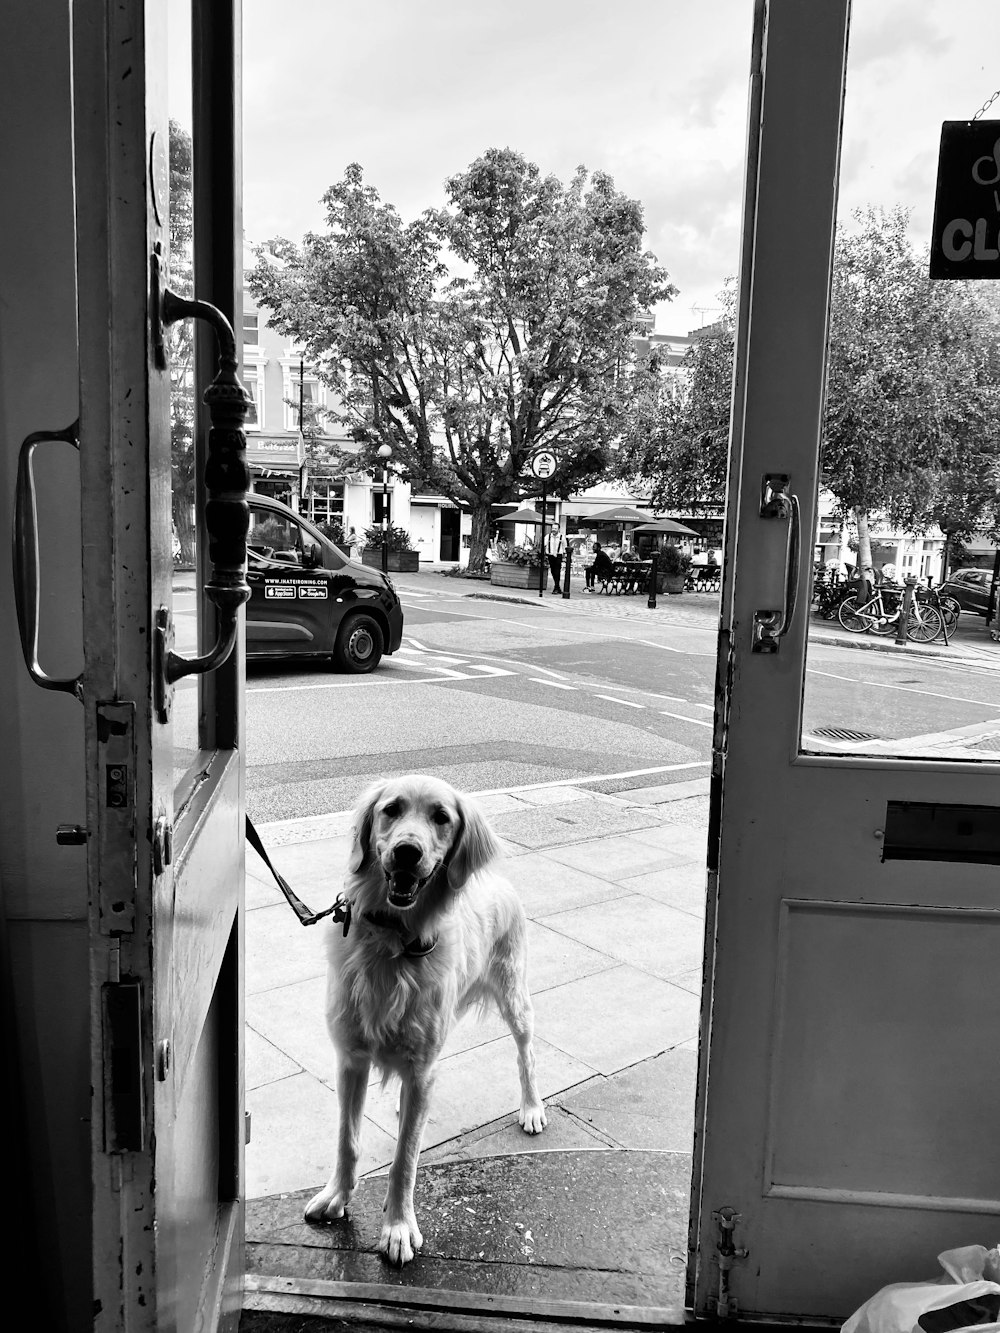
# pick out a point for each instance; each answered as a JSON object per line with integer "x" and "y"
{"x": 307, "y": 599}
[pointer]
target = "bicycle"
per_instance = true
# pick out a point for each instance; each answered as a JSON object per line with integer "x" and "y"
{"x": 924, "y": 622}
{"x": 949, "y": 608}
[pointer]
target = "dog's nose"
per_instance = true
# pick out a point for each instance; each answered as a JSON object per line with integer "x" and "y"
{"x": 405, "y": 855}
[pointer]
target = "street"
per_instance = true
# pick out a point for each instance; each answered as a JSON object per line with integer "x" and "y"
{"x": 496, "y": 694}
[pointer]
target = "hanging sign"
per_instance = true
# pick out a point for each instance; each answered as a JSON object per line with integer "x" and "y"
{"x": 966, "y": 238}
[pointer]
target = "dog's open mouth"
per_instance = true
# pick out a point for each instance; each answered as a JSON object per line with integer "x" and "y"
{"x": 402, "y": 887}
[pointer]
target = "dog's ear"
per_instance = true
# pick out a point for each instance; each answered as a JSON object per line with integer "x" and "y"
{"x": 361, "y": 828}
{"x": 475, "y": 847}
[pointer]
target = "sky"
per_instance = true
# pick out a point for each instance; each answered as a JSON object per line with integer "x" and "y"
{"x": 653, "y": 92}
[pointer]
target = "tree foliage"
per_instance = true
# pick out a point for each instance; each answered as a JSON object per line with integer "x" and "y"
{"x": 912, "y": 414}
{"x": 677, "y": 439}
{"x": 484, "y": 330}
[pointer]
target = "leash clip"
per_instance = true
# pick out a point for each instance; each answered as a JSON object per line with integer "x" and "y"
{"x": 342, "y": 912}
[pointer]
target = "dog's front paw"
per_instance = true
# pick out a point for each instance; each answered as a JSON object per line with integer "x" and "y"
{"x": 531, "y": 1117}
{"x": 399, "y": 1240}
{"x": 329, "y": 1205}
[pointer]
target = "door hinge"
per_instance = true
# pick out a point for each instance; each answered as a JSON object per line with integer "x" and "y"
{"x": 116, "y": 817}
{"x": 124, "y": 1091}
{"x": 726, "y": 1254}
{"x": 247, "y": 1125}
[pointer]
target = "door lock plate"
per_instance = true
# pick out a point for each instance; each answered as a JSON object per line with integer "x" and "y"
{"x": 116, "y": 817}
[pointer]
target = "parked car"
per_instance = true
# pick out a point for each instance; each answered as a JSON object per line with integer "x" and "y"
{"x": 309, "y": 599}
{"x": 970, "y": 589}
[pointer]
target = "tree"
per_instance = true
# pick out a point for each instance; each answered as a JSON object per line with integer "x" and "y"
{"x": 912, "y": 405}
{"x": 180, "y": 342}
{"x": 482, "y": 331}
{"x": 912, "y": 413}
{"x": 677, "y": 439}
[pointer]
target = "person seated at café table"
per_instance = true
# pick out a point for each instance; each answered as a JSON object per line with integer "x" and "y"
{"x": 601, "y": 567}
{"x": 632, "y": 576}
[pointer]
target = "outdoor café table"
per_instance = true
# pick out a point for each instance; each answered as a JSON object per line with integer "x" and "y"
{"x": 631, "y": 575}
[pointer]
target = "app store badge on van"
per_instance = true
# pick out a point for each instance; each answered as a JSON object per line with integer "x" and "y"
{"x": 279, "y": 590}
{"x": 316, "y": 590}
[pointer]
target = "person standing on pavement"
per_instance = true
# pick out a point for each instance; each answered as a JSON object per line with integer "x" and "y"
{"x": 555, "y": 544}
{"x": 353, "y": 543}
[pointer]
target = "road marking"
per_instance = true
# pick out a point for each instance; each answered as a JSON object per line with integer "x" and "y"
{"x": 626, "y": 703}
{"x": 555, "y": 684}
{"x": 695, "y": 721}
{"x": 905, "y": 689}
{"x": 485, "y": 670}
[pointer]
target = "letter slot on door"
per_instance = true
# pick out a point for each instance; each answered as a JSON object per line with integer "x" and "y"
{"x": 930, "y": 831}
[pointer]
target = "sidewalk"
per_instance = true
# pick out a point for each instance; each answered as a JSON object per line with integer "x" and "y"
{"x": 613, "y": 885}
{"x": 971, "y": 645}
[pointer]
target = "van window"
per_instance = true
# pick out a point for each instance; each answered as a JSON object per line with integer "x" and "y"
{"x": 277, "y": 539}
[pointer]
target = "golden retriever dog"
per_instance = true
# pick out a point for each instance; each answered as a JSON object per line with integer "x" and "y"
{"x": 432, "y": 929}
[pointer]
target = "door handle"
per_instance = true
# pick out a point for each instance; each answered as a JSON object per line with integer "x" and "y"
{"x": 227, "y": 481}
{"x": 25, "y": 559}
{"x": 776, "y": 501}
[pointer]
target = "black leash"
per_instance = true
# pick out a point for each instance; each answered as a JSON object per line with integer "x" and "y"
{"x": 340, "y": 911}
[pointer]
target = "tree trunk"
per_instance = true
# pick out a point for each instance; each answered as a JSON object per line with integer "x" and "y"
{"x": 866, "y": 569}
{"x": 482, "y": 532}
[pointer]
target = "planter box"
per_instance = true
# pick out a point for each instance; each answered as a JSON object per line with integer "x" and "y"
{"x": 400, "y": 562}
{"x": 505, "y": 574}
{"x": 670, "y": 583}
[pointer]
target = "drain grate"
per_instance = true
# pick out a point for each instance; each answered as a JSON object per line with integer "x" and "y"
{"x": 844, "y": 734}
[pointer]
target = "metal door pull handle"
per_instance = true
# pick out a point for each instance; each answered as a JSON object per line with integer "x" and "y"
{"x": 771, "y": 626}
{"x": 227, "y": 514}
{"x": 25, "y": 553}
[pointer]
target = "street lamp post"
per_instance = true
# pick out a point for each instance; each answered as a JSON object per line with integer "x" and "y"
{"x": 385, "y": 453}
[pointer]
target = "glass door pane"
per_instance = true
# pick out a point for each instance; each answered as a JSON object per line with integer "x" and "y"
{"x": 909, "y": 450}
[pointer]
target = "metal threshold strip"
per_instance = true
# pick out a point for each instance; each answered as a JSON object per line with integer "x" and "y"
{"x": 430, "y": 1307}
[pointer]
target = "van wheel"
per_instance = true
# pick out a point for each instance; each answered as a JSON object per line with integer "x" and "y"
{"x": 359, "y": 644}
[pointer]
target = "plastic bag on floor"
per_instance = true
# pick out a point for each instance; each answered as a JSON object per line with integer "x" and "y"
{"x": 967, "y": 1296}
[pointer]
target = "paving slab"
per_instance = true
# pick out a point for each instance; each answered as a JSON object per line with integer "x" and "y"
{"x": 556, "y": 825}
{"x": 650, "y": 1016}
{"x": 650, "y": 935}
{"x": 615, "y": 858}
{"x": 650, "y": 1105}
{"x": 545, "y": 885}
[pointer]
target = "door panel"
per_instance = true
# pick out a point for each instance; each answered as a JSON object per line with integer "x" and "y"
{"x": 166, "y": 868}
{"x": 845, "y": 1091}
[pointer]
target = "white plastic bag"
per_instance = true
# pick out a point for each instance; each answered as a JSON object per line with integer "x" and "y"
{"x": 969, "y": 1272}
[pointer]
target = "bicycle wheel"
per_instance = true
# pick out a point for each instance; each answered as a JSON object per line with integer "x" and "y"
{"x": 847, "y": 614}
{"x": 950, "y": 612}
{"x": 924, "y": 623}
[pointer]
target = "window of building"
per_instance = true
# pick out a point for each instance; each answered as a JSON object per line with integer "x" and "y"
{"x": 325, "y": 501}
{"x": 308, "y": 386}
{"x": 250, "y": 329}
{"x": 255, "y": 388}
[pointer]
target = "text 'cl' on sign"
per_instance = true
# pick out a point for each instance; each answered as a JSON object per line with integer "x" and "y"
{"x": 543, "y": 464}
{"x": 966, "y": 238}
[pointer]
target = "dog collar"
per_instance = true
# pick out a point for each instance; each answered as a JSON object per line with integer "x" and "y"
{"x": 412, "y": 948}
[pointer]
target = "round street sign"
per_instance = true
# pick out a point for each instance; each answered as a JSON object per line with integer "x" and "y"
{"x": 543, "y": 464}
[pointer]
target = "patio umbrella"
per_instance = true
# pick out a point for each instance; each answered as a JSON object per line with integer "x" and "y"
{"x": 526, "y": 515}
{"x": 666, "y": 525}
{"x": 619, "y": 514}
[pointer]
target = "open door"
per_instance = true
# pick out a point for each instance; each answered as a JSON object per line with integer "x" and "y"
{"x": 849, "y": 1080}
{"x": 163, "y": 731}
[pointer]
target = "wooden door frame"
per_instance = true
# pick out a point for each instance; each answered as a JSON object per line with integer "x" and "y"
{"x": 122, "y": 146}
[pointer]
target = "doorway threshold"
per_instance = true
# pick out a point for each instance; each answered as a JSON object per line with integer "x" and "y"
{"x": 587, "y": 1238}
